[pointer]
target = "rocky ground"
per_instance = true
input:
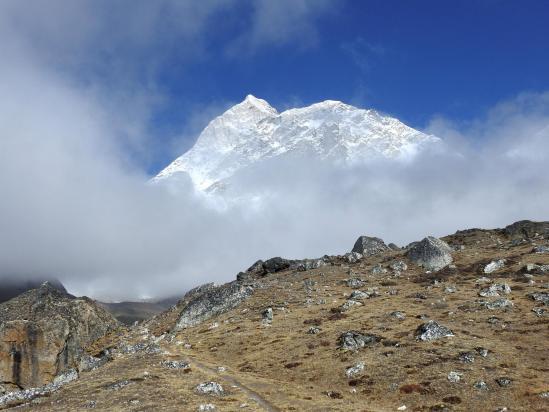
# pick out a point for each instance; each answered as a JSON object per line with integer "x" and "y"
{"x": 460, "y": 325}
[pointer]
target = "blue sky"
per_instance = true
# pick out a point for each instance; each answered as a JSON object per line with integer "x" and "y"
{"x": 161, "y": 69}
{"x": 413, "y": 60}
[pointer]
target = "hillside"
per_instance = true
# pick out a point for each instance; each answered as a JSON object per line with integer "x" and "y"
{"x": 345, "y": 333}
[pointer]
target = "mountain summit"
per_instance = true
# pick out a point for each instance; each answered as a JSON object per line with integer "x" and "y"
{"x": 253, "y": 130}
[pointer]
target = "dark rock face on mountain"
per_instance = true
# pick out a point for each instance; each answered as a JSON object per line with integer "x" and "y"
{"x": 207, "y": 302}
{"x": 370, "y": 246}
{"x": 527, "y": 229}
{"x": 43, "y": 333}
{"x": 10, "y": 288}
{"x": 431, "y": 253}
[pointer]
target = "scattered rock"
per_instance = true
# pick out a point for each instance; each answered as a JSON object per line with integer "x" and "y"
{"x": 313, "y": 330}
{"x": 349, "y": 304}
{"x": 495, "y": 290}
{"x": 175, "y": 364}
{"x": 431, "y": 253}
{"x": 540, "y": 312}
{"x": 359, "y": 295}
{"x": 209, "y": 388}
{"x": 504, "y": 381}
{"x": 480, "y": 385}
{"x": 267, "y": 316}
{"x": 494, "y": 265}
{"x": 542, "y": 297}
{"x": 353, "y": 340}
{"x": 355, "y": 282}
{"x": 352, "y": 257}
{"x": 354, "y": 370}
{"x": 370, "y": 246}
{"x": 399, "y": 266}
{"x": 450, "y": 289}
{"x": 541, "y": 249}
{"x": 206, "y": 407}
{"x": 467, "y": 357}
{"x": 432, "y": 331}
{"x": 378, "y": 270}
{"x": 454, "y": 377}
{"x": 397, "y": 315}
{"x": 501, "y": 303}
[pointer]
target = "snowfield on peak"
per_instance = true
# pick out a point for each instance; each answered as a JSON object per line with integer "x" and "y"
{"x": 253, "y": 131}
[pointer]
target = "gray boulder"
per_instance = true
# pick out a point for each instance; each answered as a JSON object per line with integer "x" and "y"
{"x": 432, "y": 331}
{"x": 494, "y": 265}
{"x": 209, "y": 388}
{"x": 541, "y": 249}
{"x": 353, "y": 340}
{"x": 370, "y": 246}
{"x": 431, "y": 253}
{"x": 212, "y": 302}
{"x": 527, "y": 229}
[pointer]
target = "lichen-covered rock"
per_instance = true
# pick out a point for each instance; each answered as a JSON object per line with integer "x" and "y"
{"x": 352, "y": 257}
{"x": 355, "y": 282}
{"x": 44, "y": 332}
{"x": 370, "y": 246}
{"x": 541, "y": 249}
{"x": 542, "y": 297}
{"x": 349, "y": 304}
{"x": 267, "y": 316}
{"x": 432, "y": 331}
{"x": 431, "y": 253}
{"x": 399, "y": 266}
{"x": 212, "y": 302}
{"x": 353, "y": 340}
{"x": 359, "y": 295}
{"x": 501, "y": 303}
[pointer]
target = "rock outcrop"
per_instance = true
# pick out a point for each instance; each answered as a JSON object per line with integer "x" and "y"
{"x": 431, "y": 253}
{"x": 12, "y": 287}
{"x": 370, "y": 246}
{"x": 43, "y": 333}
{"x": 207, "y": 302}
{"x": 527, "y": 229}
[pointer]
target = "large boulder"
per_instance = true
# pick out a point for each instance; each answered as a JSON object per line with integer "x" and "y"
{"x": 211, "y": 301}
{"x": 44, "y": 332}
{"x": 527, "y": 229}
{"x": 370, "y": 246}
{"x": 431, "y": 253}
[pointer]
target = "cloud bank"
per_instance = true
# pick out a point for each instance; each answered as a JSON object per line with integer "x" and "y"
{"x": 75, "y": 202}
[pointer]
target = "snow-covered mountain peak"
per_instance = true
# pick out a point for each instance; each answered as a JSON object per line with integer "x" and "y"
{"x": 330, "y": 130}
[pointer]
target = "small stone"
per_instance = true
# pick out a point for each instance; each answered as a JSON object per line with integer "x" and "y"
{"x": 267, "y": 316}
{"x": 399, "y": 266}
{"x": 352, "y": 257}
{"x": 206, "y": 407}
{"x": 359, "y": 295}
{"x": 495, "y": 290}
{"x": 353, "y": 340}
{"x": 209, "y": 388}
{"x": 467, "y": 357}
{"x": 482, "y": 352}
{"x": 355, "y": 283}
{"x": 540, "y": 312}
{"x": 402, "y": 408}
{"x": 480, "y": 385}
{"x": 454, "y": 377}
{"x": 504, "y": 381}
{"x": 349, "y": 304}
{"x": 354, "y": 370}
{"x": 175, "y": 364}
{"x": 541, "y": 249}
{"x": 494, "y": 265}
{"x": 431, "y": 331}
{"x": 482, "y": 280}
{"x": 378, "y": 270}
{"x": 450, "y": 289}
{"x": 397, "y": 315}
{"x": 540, "y": 297}
{"x": 497, "y": 304}
{"x": 313, "y": 330}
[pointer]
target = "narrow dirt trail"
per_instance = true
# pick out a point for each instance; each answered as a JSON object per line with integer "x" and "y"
{"x": 256, "y": 397}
